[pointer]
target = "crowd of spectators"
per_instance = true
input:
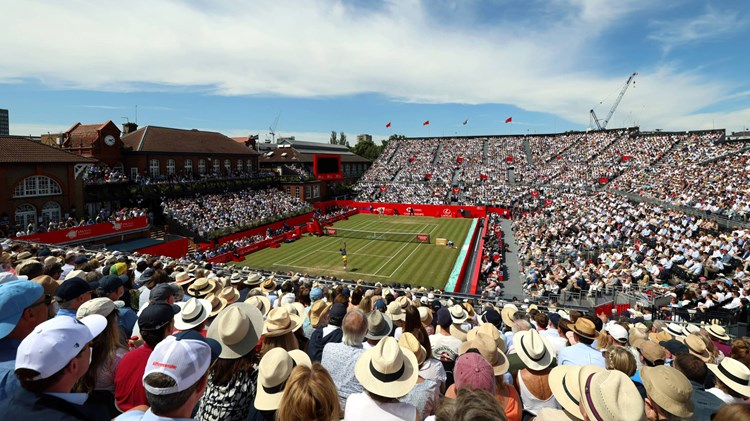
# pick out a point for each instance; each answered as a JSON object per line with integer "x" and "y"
{"x": 106, "y": 335}
{"x": 102, "y": 174}
{"x": 229, "y": 212}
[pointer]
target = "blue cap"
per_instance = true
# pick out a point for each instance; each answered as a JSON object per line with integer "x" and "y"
{"x": 81, "y": 260}
{"x": 15, "y": 297}
{"x": 316, "y": 294}
{"x": 346, "y": 292}
{"x": 72, "y": 288}
{"x": 380, "y": 305}
{"x": 110, "y": 283}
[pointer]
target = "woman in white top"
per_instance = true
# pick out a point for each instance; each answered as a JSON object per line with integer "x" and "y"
{"x": 532, "y": 382}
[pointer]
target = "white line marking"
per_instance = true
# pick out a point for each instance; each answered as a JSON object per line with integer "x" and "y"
{"x": 407, "y": 257}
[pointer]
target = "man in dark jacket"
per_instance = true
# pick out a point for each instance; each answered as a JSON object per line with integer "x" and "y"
{"x": 329, "y": 334}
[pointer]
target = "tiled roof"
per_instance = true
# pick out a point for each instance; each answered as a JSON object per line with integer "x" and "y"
{"x": 86, "y": 133}
{"x": 164, "y": 139}
{"x": 16, "y": 149}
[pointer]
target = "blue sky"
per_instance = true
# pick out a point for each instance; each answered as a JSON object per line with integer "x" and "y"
{"x": 353, "y": 66}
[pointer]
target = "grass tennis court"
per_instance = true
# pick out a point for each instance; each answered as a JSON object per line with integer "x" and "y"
{"x": 373, "y": 259}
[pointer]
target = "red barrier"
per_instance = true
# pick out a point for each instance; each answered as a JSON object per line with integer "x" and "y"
{"x": 505, "y": 213}
{"x": 604, "y": 309}
{"x": 222, "y": 258}
{"x": 478, "y": 264}
{"x": 88, "y": 232}
{"x": 465, "y": 264}
{"x": 443, "y": 211}
{"x": 297, "y": 220}
{"x": 174, "y": 249}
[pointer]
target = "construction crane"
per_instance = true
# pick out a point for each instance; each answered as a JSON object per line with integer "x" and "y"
{"x": 272, "y": 130}
{"x": 603, "y": 125}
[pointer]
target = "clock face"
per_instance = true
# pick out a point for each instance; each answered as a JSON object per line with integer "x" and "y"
{"x": 109, "y": 140}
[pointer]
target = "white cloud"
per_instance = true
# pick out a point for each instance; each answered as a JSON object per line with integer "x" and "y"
{"x": 36, "y": 129}
{"x": 711, "y": 24}
{"x": 329, "y": 48}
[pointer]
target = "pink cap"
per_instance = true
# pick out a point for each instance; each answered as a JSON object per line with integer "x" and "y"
{"x": 472, "y": 371}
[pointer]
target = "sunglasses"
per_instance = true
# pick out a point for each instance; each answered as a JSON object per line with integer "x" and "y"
{"x": 47, "y": 301}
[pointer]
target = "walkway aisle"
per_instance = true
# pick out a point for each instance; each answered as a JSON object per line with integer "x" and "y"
{"x": 513, "y": 284}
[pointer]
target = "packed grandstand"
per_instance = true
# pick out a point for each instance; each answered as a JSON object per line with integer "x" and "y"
{"x": 630, "y": 250}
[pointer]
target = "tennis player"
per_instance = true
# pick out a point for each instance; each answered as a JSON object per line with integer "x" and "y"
{"x": 344, "y": 257}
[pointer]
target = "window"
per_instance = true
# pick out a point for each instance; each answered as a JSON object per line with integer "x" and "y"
{"x": 37, "y": 185}
{"x": 217, "y": 166}
{"x": 288, "y": 190}
{"x": 170, "y": 166}
{"x": 25, "y": 215}
{"x": 201, "y": 166}
{"x": 316, "y": 191}
{"x": 249, "y": 165}
{"x": 227, "y": 166}
{"x": 239, "y": 165}
{"x": 51, "y": 213}
{"x": 296, "y": 192}
{"x": 308, "y": 192}
{"x": 120, "y": 168}
{"x": 134, "y": 173}
{"x": 189, "y": 166}
{"x": 153, "y": 167}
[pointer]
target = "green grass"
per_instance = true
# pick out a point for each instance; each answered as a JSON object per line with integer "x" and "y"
{"x": 373, "y": 260}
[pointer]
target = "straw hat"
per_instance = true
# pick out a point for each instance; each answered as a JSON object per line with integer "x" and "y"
{"x": 182, "y": 278}
{"x": 192, "y": 313}
{"x": 403, "y": 301}
{"x": 409, "y": 341}
{"x": 201, "y": 287}
{"x": 269, "y": 285}
{"x": 386, "y": 370}
{"x": 697, "y": 347}
{"x": 237, "y": 329}
{"x": 609, "y": 395}
{"x": 296, "y": 308}
{"x": 717, "y": 332}
{"x": 231, "y": 294}
{"x": 489, "y": 350}
{"x": 733, "y": 374}
{"x": 674, "y": 329}
{"x": 261, "y": 302}
{"x": 657, "y": 337}
{"x": 192, "y": 267}
{"x": 585, "y": 328}
{"x": 49, "y": 284}
{"x": 507, "y": 314}
{"x": 458, "y": 314}
{"x": 425, "y": 316}
{"x": 317, "y": 311}
{"x": 273, "y": 371}
{"x": 236, "y": 278}
{"x": 280, "y": 322}
{"x": 395, "y": 312}
{"x": 489, "y": 330}
{"x": 252, "y": 280}
{"x": 533, "y": 349}
{"x": 669, "y": 389}
{"x": 690, "y": 328}
{"x": 217, "y": 304}
{"x": 563, "y": 381}
{"x": 379, "y": 326}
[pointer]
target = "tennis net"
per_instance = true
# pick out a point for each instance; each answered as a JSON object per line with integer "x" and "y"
{"x": 404, "y": 237}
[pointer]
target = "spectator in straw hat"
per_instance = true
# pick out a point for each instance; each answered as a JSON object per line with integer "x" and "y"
{"x": 201, "y": 287}
{"x": 582, "y": 353}
{"x": 193, "y": 315}
{"x": 231, "y": 384}
{"x": 732, "y": 383}
{"x": 339, "y": 358}
{"x": 261, "y": 302}
{"x": 217, "y": 304}
{"x": 379, "y": 325}
{"x": 608, "y": 396}
{"x": 331, "y": 333}
{"x": 668, "y": 393}
{"x": 317, "y": 316}
{"x": 705, "y": 403}
{"x": 532, "y": 382}
{"x": 425, "y": 394}
{"x": 386, "y": 372}
{"x": 458, "y": 316}
{"x": 719, "y": 338}
{"x": 278, "y": 330}
{"x": 274, "y": 371}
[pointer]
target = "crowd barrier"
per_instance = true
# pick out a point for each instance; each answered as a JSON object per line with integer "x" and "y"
{"x": 89, "y": 232}
{"x": 261, "y": 230}
{"x": 478, "y": 262}
{"x": 438, "y": 211}
{"x": 174, "y": 249}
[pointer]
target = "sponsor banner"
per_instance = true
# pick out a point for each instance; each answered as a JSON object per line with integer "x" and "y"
{"x": 423, "y": 238}
{"x": 174, "y": 249}
{"x": 292, "y": 222}
{"x": 331, "y": 231}
{"x": 86, "y": 232}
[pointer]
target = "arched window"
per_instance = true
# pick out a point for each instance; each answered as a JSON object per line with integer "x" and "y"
{"x": 189, "y": 166}
{"x": 239, "y": 165}
{"x": 25, "y": 215}
{"x": 37, "y": 185}
{"x": 51, "y": 212}
{"x": 171, "y": 166}
{"x": 153, "y": 167}
{"x": 202, "y": 166}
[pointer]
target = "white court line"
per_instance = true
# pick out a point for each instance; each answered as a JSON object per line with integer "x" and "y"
{"x": 407, "y": 257}
{"x": 355, "y": 254}
{"x": 313, "y": 245}
{"x": 312, "y": 268}
{"x": 392, "y": 257}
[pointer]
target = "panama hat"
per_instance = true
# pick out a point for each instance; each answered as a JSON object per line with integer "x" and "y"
{"x": 231, "y": 294}
{"x": 236, "y": 278}
{"x": 261, "y": 302}
{"x": 182, "y": 278}
{"x": 674, "y": 329}
{"x": 237, "y": 329}
{"x": 409, "y": 341}
{"x": 658, "y": 337}
{"x": 697, "y": 347}
{"x": 489, "y": 350}
{"x": 609, "y": 395}
{"x": 458, "y": 314}
{"x": 533, "y": 349}
{"x": 386, "y": 370}
{"x": 379, "y": 326}
{"x": 217, "y": 304}
{"x": 733, "y": 374}
{"x": 717, "y": 332}
{"x": 201, "y": 287}
{"x": 253, "y": 279}
{"x": 690, "y": 328}
{"x": 395, "y": 312}
{"x": 489, "y": 330}
{"x": 563, "y": 382}
{"x": 280, "y": 322}
{"x": 273, "y": 371}
{"x": 269, "y": 285}
{"x": 669, "y": 389}
{"x": 192, "y": 313}
{"x": 317, "y": 311}
{"x": 507, "y": 314}
{"x": 585, "y": 328}
{"x": 425, "y": 316}
{"x": 403, "y": 301}
{"x": 192, "y": 267}
{"x": 296, "y": 308}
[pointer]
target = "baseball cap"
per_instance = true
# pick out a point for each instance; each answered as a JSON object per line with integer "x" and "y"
{"x": 652, "y": 351}
{"x": 15, "y": 297}
{"x": 102, "y": 306}
{"x": 81, "y": 260}
{"x": 493, "y": 317}
{"x": 54, "y": 343}
{"x": 72, "y": 288}
{"x": 110, "y": 283}
{"x": 162, "y": 292}
{"x": 316, "y": 293}
{"x": 184, "y": 358}
{"x": 472, "y": 371}
{"x": 147, "y": 274}
{"x": 675, "y": 347}
{"x": 444, "y": 317}
{"x": 618, "y": 332}
{"x": 157, "y": 315}
{"x": 380, "y": 305}
{"x": 338, "y": 311}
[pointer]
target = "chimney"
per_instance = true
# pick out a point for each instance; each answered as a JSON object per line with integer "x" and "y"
{"x": 129, "y": 127}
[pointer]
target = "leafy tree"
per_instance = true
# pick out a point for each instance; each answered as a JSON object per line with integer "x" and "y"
{"x": 333, "y": 138}
{"x": 342, "y": 138}
{"x": 367, "y": 149}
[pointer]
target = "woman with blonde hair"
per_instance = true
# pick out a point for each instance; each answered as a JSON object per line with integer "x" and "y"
{"x": 309, "y": 394}
{"x": 619, "y": 358}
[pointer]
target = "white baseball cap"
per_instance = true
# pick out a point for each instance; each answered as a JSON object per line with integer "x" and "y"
{"x": 184, "y": 357}
{"x": 54, "y": 343}
{"x": 618, "y": 332}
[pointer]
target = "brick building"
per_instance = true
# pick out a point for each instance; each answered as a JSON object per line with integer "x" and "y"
{"x": 100, "y": 141}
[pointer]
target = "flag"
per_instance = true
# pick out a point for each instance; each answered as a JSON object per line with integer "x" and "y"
{"x": 426, "y": 123}
{"x": 466, "y": 121}
{"x": 509, "y": 119}
{"x": 388, "y": 125}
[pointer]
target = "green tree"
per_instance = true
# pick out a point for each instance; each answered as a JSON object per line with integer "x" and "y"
{"x": 367, "y": 149}
{"x": 342, "y": 138}
{"x": 333, "y": 138}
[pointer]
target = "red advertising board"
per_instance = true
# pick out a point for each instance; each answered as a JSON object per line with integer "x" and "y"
{"x": 331, "y": 231}
{"x": 423, "y": 238}
{"x": 88, "y": 232}
{"x": 444, "y": 211}
{"x": 174, "y": 249}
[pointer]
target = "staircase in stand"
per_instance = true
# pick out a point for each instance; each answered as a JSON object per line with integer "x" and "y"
{"x": 527, "y": 150}
{"x": 157, "y": 232}
{"x": 485, "y": 151}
